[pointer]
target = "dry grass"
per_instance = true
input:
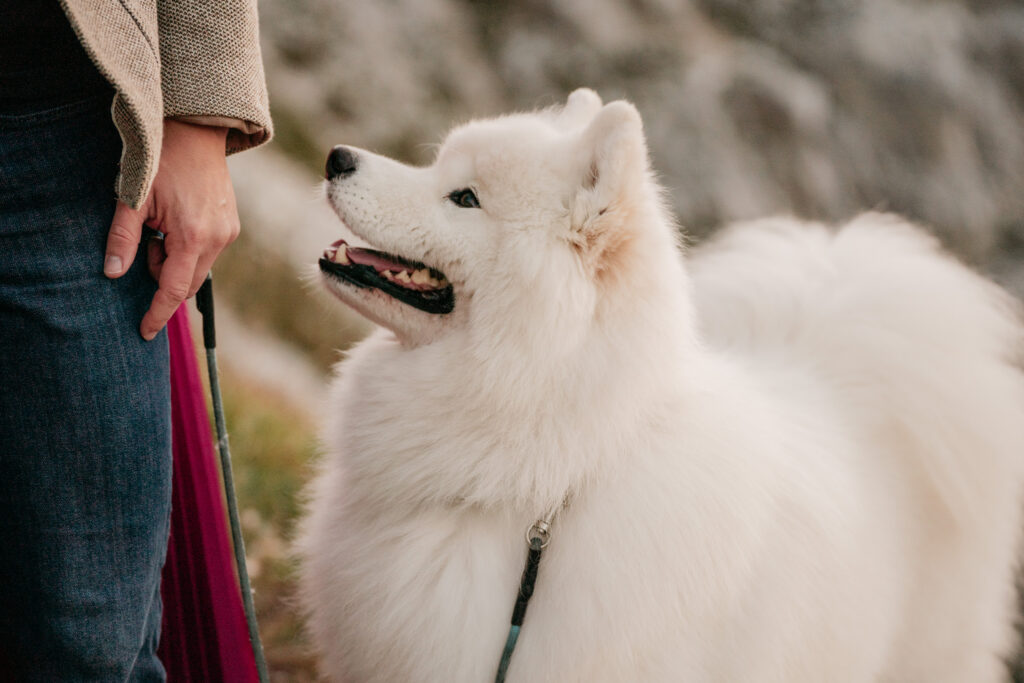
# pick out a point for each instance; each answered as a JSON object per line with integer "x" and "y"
{"x": 272, "y": 446}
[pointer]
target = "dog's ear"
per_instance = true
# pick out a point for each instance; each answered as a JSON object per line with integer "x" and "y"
{"x": 613, "y": 161}
{"x": 612, "y": 169}
{"x": 579, "y": 109}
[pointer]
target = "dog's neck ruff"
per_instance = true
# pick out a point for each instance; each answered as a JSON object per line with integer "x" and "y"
{"x": 538, "y": 536}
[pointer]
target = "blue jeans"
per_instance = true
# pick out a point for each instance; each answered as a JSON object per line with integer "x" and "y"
{"x": 85, "y": 459}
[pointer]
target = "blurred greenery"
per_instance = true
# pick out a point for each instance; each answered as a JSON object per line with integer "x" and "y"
{"x": 269, "y": 296}
{"x": 291, "y": 135}
{"x": 272, "y": 447}
{"x": 274, "y": 443}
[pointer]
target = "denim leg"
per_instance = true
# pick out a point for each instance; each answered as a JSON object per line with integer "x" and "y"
{"x": 85, "y": 459}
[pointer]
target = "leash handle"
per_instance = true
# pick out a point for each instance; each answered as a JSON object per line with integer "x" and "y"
{"x": 204, "y": 302}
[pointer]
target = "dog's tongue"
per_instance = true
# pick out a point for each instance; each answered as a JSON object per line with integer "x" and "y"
{"x": 374, "y": 259}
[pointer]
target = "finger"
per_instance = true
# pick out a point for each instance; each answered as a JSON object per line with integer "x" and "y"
{"x": 218, "y": 240}
{"x": 175, "y": 279}
{"x": 122, "y": 240}
{"x": 155, "y": 257}
{"x": 203, "y": 266}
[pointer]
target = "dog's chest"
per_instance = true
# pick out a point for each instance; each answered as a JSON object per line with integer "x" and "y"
{"x": 435, "y": 579}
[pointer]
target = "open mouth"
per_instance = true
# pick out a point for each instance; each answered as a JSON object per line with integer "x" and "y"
{"x": 410, "y": 282}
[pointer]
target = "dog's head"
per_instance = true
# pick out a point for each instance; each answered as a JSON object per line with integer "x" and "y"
{"x": 529, "y": 212}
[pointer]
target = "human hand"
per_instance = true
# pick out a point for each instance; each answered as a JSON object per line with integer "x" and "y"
{"x": 192, "y": 203}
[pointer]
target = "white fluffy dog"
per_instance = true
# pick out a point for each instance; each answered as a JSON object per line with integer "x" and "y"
{"x": 794, "y": 456}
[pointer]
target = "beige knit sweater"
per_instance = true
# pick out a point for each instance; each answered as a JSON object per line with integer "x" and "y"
{"x": 193, "y": 60}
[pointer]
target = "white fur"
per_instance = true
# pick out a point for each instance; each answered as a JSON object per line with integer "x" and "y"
{"x": 796, "y": 457}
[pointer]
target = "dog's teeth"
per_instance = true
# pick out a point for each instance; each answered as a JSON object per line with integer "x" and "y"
{"x": 388, "y": 274}
{"x": 341, "y": 256}
{"x": 403, "y": 275}
{"x": 434, "y": 282}
{"x": 421, "y": 277}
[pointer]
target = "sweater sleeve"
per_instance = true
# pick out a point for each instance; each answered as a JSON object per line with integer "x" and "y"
{"x": 211, "y": 69}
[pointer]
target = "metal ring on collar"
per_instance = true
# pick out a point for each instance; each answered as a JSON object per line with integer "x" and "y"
{"x": 541, "y": 531}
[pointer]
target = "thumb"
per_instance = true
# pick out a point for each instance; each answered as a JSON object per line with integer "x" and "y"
{"x": 122, "y": 240}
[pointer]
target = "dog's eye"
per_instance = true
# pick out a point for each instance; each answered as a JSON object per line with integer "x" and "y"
{"x": 465, "y": 198}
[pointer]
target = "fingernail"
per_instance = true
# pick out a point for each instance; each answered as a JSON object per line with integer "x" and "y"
{"x": 149, "y": 336}
{"x": 112, "y": 265}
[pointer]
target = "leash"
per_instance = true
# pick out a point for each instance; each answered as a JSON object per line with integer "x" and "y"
{"x": 204, "y": 302}
{"x": 538, "y": 536}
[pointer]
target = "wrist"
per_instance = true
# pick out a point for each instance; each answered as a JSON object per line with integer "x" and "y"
{"x": 193, "y": 133}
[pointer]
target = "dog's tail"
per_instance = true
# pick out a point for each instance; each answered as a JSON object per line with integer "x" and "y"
{"x": 922, "y": 355}
{"x": 924, "y": 350}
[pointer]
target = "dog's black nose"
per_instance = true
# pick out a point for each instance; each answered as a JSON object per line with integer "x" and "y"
{"x": 340, "y": 162}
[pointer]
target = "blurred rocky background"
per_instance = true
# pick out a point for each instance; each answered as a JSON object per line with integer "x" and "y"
{"x": 818, "y": 108}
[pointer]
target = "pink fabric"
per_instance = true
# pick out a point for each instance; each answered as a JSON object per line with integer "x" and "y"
{"x": 205, "y": 638}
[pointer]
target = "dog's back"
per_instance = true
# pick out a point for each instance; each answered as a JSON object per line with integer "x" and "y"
{"x": 924, "y": 356}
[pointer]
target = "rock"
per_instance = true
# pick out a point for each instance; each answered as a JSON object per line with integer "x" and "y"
{"x": 752, "y": 107}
